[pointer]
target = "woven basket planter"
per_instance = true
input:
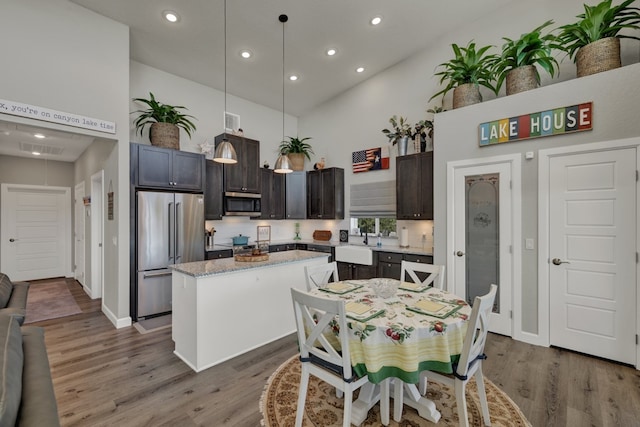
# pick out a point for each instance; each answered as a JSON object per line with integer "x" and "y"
{"x": 466, "y": 94}
{"x": 296, "y": 160}
{"x": 601, "y": 55}
{"x": 521, "y": 79}
{"x": 165, "y": 135}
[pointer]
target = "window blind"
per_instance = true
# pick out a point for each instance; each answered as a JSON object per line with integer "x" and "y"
{"x": 373, "y": 199}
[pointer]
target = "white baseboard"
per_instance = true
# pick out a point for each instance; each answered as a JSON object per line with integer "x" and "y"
{"x": 118, "y": 323}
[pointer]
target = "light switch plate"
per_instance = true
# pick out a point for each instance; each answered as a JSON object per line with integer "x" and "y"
{"x": 528, "y": 244}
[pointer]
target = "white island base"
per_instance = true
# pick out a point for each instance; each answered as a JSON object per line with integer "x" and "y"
{"x": 223, "y": 308}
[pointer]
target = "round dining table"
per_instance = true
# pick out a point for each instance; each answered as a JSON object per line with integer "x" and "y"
{"x": 417, "y": 329}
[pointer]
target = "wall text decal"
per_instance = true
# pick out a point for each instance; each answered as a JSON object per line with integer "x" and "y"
{"x": 575, "y": 118}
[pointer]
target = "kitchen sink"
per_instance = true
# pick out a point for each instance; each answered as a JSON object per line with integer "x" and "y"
{"x": 354, "y": 254}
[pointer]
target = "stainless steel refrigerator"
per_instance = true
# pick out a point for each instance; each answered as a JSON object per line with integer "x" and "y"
{"x": 170, "y": 230}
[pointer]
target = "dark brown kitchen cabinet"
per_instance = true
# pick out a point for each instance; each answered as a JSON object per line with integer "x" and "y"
{"x": 273, "y": 197}
{"x": 349, "y": 271}
{"x": 244, "y": 176}
{"x": 213, "y": 191}
{"x": 390, "y": 264}
{"x": 325, "y": 194}
{"x": 157, "y": 167}
{"x": 218, "y": 254}
{"x": 414, "y": 186}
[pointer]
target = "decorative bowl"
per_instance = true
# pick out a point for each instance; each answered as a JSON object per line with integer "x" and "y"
{"x": 384, "y": 288}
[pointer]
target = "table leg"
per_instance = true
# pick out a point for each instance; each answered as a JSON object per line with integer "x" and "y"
{"x": 369, "y": 395}
{"x": 411, "y": 397}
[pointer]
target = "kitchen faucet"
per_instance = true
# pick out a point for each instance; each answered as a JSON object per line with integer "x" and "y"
{"x": 366, "y": 238}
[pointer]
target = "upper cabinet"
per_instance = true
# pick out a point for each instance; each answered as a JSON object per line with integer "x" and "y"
{"x": 157, "y": 167}
{"x": 272, "y": 202}
{"x": 414, "y": 186}
{"x": 296, "y": 195}
{"x": 213, "y": 207}
{"x": 244, "y": 176}
{"x": 325, "y": 194}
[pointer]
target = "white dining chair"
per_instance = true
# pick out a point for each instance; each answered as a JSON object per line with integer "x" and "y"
{"x": 470, "y": 363}
{"x": 435, "y": 277}
{"x": 320, "y": 356}
{"x": 319, "y": 275}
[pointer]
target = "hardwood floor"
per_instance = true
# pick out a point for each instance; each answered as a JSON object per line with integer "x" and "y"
{"x": 117, "y": 377}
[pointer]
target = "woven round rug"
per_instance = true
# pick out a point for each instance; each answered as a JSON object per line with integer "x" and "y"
{"x": 279, "y": 400}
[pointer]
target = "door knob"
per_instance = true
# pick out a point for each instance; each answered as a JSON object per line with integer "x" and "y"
{"x": 12, "y": 240}
{"x": 558, "y": 261}
{"x": 460, "y": 253}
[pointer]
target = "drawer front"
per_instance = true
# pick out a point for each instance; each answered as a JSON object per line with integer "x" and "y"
{"x": 426, "y": 259}
{"x": 393, "y": 257}
{"x": 225, "y": 253}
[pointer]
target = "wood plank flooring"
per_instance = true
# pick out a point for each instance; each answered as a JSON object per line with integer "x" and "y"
{"x": 118, "y": 377}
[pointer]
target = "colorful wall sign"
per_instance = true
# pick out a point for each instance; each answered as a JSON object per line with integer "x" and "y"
{"x": 370, "y": 159}
{"x": 575, "y": 118}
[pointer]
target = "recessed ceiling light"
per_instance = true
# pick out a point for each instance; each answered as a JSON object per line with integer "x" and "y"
{"x": 331, "y": 52}
{"x": 293, "y": 77}
{"x": 171, "y": 16}
{"x": 360, "y": 70}
{"x": 246, "y": 54}
{"x": 35, "y": 153}
{"x": 39, "y": 135}
{"x": 376, "y": 20}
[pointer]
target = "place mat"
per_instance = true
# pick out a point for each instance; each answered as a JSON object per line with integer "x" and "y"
{"x": 361, "y": 311}
{"x": 340, "y": 287}
{"x": 414, "y": 287}
{"x": 434, "y": 308}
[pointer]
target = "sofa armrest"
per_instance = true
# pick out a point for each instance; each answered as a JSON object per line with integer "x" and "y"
{"x": 18, "y": 313}
{"x": 19, "y": 294}
{"x": 38, "y": 406}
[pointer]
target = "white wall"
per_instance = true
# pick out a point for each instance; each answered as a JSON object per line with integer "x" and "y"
{"x": 66, "y": 58}
{"x": 354, "y": 120}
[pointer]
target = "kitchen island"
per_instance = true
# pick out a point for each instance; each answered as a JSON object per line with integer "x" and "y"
{"x": 223, "y": 308}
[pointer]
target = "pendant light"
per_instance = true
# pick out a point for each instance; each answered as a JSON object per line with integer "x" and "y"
{"x": 282, "y": 163}
{"x": 225, "y": 153}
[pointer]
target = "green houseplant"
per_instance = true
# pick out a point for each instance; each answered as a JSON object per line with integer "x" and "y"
{"x": 296, "y": 149}
{"x": 519, "y": 58}
{"x": 469, "y": 69}
{"x": 593, "y": 41}
{"x": 165, "y": 122}
{"x": 399, "y": 132}
{"x": 424, "y": 128}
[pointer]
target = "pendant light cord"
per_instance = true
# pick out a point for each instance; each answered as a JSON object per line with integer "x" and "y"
{"x": 224, "y": 113}
{"x": 283, "y": 19}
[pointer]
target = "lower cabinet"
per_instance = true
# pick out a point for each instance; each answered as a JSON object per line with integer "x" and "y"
{"x": 390, "y": 264}
{"x": 349, "y": 271}
{"x": 222, "y": 253}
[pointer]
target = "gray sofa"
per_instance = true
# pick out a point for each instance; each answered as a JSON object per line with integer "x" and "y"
{"x": 13, "y": 298}
{"x": 26, "y": 389}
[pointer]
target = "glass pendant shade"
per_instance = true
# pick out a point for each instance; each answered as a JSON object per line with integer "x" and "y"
{"x": 282, "y": 164}
{"x": 225, "y": 153}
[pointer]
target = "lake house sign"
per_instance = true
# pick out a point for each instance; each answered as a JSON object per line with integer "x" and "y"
{"x": 575, "y": 118}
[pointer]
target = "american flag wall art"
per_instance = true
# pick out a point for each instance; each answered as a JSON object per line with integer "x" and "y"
{"x": 370, "y": 159}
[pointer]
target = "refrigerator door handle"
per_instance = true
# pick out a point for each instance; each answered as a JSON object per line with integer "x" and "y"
{"x": 157, "y": 274}
{"x": 177, "y": 225}
{"x": 171, "y": 231}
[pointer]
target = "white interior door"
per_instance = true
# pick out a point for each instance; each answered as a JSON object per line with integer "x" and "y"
{"x": 592, "y": 253}
{"x": 480, "y": 238}
{"x": 36, "y": 232}
{"x": 97, "y": 237}
{"x": 79, "y": 233}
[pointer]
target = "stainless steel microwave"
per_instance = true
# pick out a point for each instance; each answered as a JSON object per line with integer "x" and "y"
{"x": 242, "y": 204}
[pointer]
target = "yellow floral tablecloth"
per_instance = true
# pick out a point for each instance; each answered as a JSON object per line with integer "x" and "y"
{"x": 401, "y": 342}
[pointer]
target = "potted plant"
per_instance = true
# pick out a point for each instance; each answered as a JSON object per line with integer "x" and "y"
{"x": 165, "y": 120}
{"x": 424, "y": 128}
{"x": 466, "y": 72}
{"x": 400, "y": 132}
{"x": 296, "y": 149}
{"x": 593, "y": 42}
{"x": 519, "y": 58}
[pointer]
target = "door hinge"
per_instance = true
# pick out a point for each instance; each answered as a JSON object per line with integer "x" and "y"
{"x": 636, "y": 339}
{"x": 636, "y": 175}
{"x": 510, "y": 185}
{"x": 510, "y": 249}
{"x": 510, "y": 314}
{"x": 636, "y": 257}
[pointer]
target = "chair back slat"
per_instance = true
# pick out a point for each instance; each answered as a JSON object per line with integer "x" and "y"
{"x": 319, "y": 275}
{"x": 435, "y": 278}
{"x": 477, "y": 330}
{"x": 314, "y": 316}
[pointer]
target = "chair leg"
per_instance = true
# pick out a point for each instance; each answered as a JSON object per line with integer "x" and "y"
{"x": 422, "y": 386}
{"x": 482, "y": 394}
{"x": 461, "y": 401}
{"x": 384, "y": 401}
{"x": 398, "y": 394}
{"x": 348, "y": 403}
{"x": 339, "y": 393}
{"x": 302, "y": 395}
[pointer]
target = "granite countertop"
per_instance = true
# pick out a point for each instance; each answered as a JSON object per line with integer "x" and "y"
{"x": 212, "y": 267}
